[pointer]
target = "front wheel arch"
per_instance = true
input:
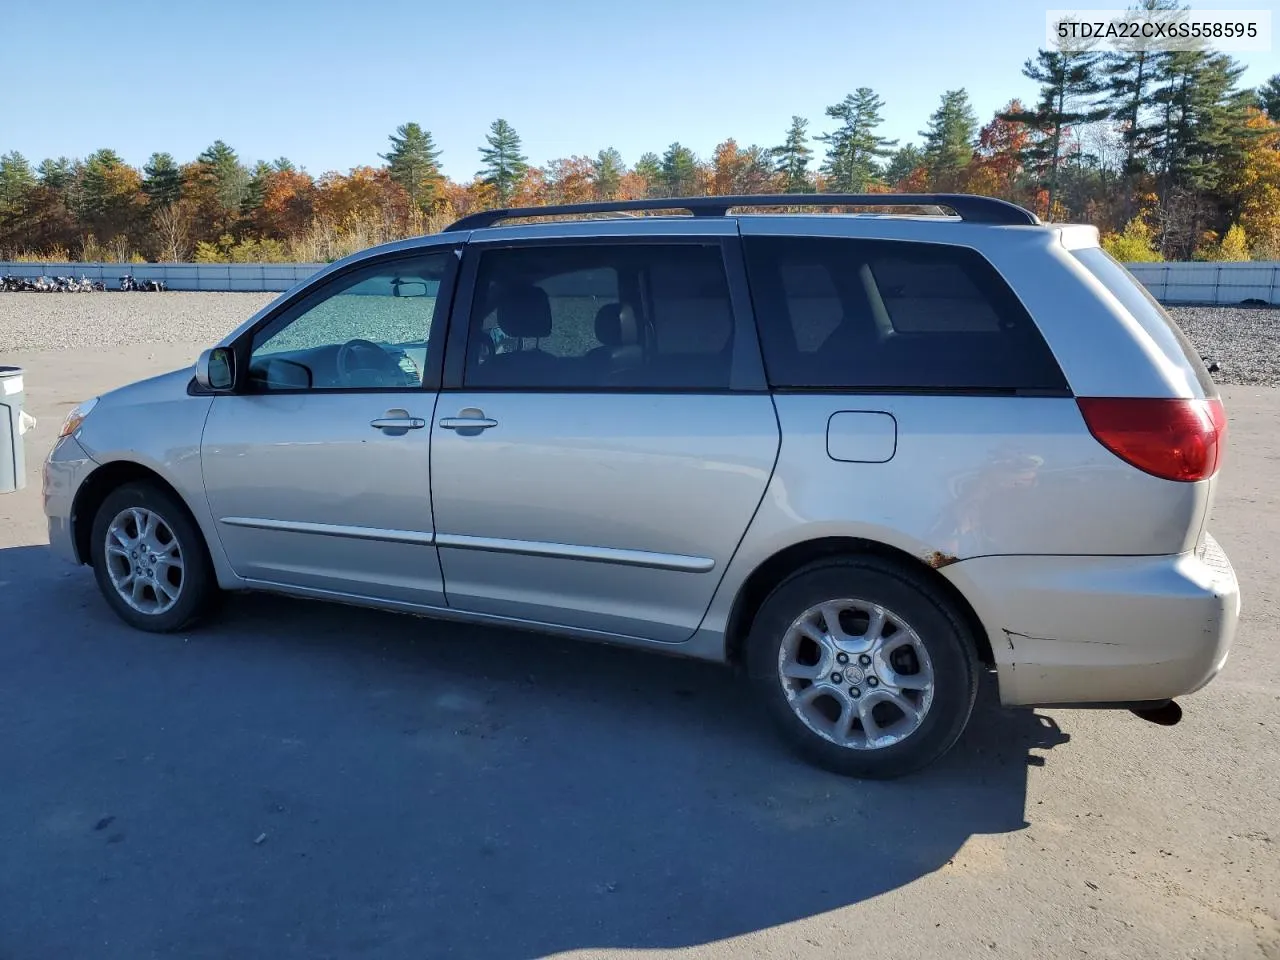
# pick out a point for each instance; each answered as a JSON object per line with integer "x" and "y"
{"x": 99, "y": 485}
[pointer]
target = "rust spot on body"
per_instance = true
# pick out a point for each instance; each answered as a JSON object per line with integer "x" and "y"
{"x": 938, "y": 559}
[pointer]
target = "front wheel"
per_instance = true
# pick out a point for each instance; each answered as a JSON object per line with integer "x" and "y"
{"x": 866, "y": 669}
{"x": 150, "y": 559}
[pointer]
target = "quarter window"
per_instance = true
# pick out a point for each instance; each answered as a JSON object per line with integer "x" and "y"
{"x": 861, "y": 314}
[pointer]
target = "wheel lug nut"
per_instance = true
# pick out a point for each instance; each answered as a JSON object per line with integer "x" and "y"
{"x": 855, "y": 692}
{"x": 872, "y": 681}
{"x": 836, "y": 678}
{"x": 842, "y": 658}
{"x": 864, "y": 660}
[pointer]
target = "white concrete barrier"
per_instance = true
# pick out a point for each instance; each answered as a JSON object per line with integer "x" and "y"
{"x": 1223, "y": 284}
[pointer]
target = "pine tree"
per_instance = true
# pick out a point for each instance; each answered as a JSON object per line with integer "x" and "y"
{"x": 608, "y": 173}
{"x": 791, "y": 159}
{"x": 1068, "y": 83}
{"x": 283, "y": 165}
{"x": 1204, "y": 132}
{"x": 949, "y": 140}
{"x": 56, "y": 174}
{"x": 679, "y": 171}
{"x": 905, "y": 161}
{"x": 222, "y": 168}
{"x": 162, "y": 180}
{"x": 854, "y": 148}
{"x": 1130, "y": 82}
{"x": 257, "y": 188}
{"x": 504, "y": 164}
{"x": 649, "y": 169}
{"x": 16, "y": 183}
{"x": 1269, "y": 97}
{"x": 414, "y": 162}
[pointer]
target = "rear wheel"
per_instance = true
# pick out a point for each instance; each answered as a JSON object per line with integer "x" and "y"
{"x": 150, "y": 559}
{"x": 866, "y": 669}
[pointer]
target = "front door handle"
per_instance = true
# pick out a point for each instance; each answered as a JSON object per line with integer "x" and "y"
{"x": 396, "y": 422}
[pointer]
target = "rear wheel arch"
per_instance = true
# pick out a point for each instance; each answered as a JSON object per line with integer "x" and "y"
{"x": 98, "y": 486}
{"x": 774, "y": 570}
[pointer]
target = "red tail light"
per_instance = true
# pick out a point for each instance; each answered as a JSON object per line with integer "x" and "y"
{"x": 1171, "y": 439}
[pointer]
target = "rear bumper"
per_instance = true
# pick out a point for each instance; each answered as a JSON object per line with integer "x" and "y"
{"x": 1082, "y": 630}
{"x": 64, "y": 470}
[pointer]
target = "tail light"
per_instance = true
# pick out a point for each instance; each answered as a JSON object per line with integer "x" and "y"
{"x": 1172, "y": 439}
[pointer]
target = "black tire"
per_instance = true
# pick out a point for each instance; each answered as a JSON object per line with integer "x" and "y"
{"x": 198, "y": 586}
{"x": 908, "y": 595}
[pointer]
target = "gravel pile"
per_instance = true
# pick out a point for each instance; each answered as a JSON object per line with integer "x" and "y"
{"x": 1243, "y": 341}
{"x": 31, "y": 322}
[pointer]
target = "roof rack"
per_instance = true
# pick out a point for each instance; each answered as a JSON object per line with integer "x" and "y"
{"x": 970, "y": 208}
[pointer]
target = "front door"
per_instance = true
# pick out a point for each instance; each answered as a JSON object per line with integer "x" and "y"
{"x": 317, "y": 469}
{"x": 597, "y": 464}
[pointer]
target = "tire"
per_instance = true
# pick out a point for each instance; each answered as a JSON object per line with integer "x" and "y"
{"x": 169, "y": 596}
{"x": 917, "y": 691}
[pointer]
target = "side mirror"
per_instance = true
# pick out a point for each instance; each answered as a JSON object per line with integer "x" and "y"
{"x": 216, "y": 369}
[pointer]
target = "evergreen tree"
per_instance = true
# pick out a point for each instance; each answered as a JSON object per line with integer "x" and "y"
{"x": 257, "y": 188}
{"x": 414, "y": 162}
{"x": 1068, "y": 83}
{"x": 1269, "y": 97}
{"x": 679, "y": 171}
{"x": 1203, "y": 134}
{"x": 607, "y": 173}
{"x": 57, "y": 174}
{"x": 222, "y": 168}
{"x": 16, "y": 183}
{"x": 791, "y": 159}
{"x": 283, "y": 165}
{"x": 1130, "y": 76}
{"x": 905, "y": 161}
{"x": 162, "y": 180}
{"x": 649, "y": 169}
{"x": 854, "y": 148}
{"x": 949, "y": 139}
{"x": 504, "y": 164}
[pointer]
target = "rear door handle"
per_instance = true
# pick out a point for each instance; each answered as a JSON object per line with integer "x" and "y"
{"x": 467, "y": 423}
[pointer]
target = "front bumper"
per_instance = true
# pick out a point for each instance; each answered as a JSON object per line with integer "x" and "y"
{"x": 64, "y": 471}
{"x": 1084, "y": 630}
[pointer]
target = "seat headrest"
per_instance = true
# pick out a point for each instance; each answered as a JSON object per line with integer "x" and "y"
{"x": 524, "y": 312}
{"x": 616, "y": 325}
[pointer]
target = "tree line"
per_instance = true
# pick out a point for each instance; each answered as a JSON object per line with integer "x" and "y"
{"x": 1164, "y": 152}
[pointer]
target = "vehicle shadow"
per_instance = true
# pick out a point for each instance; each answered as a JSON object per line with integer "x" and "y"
{"x": 301, "y": 779}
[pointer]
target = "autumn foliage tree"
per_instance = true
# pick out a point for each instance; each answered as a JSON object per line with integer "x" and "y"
{"x": 1164, "y": 152}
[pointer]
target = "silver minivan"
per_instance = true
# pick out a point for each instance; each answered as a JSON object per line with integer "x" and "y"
{"x": 868, "y": 458}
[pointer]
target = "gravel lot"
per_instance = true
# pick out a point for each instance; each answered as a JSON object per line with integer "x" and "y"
{"x": 35, "y": 322}
{"x": 1245, "y": 342}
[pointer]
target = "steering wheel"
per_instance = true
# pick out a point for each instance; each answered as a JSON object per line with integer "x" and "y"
{"x": 362, "y": 363}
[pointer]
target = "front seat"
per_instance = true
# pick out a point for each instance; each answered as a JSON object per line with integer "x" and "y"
{"x": 523, "y": 313}
{"x": 619, "y": 336}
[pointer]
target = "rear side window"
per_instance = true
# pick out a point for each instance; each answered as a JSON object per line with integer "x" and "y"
{"x": 868, "y": 314}
{"x": 619, "y": 316}
{"x": 1144, "y": 308}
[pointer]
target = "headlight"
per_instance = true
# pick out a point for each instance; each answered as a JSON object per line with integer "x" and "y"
{"x": 76, "y": 417}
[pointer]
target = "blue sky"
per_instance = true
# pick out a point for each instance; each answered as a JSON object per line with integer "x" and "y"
{"x": 324, "y": 83}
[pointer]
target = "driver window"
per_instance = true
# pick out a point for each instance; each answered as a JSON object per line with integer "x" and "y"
{"x": 369, "y": 329}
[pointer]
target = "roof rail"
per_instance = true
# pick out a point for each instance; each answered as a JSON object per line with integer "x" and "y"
{"x": 973, "y": 209}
